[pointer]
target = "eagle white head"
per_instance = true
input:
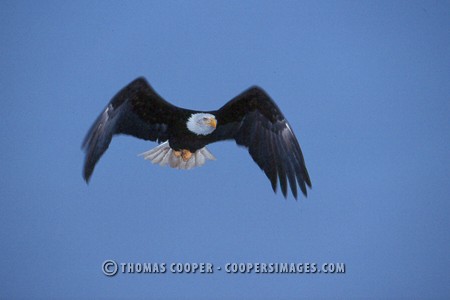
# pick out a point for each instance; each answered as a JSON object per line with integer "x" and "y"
{"x": 202, "y": 123}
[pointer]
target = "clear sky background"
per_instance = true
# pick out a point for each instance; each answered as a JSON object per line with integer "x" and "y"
{"x": 364, "y": 84}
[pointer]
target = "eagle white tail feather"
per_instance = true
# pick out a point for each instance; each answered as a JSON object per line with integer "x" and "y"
{"x": 164, "y": 155}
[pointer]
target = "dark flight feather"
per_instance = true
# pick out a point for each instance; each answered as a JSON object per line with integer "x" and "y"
{"x": 135, "y": 110}
{"x": 256, "y": 122}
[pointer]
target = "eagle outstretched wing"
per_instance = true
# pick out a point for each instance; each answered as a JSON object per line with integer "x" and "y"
{"x": 253, "y": 120}
{"x": 135, "y": 110}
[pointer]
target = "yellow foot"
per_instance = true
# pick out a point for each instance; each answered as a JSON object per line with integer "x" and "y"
{"x": 177, "y": 153}
{"x": 186, "y": 154}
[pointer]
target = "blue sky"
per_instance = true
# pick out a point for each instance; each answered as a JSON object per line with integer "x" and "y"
{"x": 364, "y": 84}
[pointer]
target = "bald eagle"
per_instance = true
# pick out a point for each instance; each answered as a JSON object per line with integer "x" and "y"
{"x": 252, "y": 119}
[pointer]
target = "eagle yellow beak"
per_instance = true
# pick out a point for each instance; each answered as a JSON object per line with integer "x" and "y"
{"x": 212, "y": 122}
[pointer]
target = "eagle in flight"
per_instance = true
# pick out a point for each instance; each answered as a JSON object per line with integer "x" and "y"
{"x": 252, "y": 119}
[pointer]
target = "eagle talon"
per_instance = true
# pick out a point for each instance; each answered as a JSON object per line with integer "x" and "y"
{"x": 186, "y": 154}
{"x": 177, "y": 153}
